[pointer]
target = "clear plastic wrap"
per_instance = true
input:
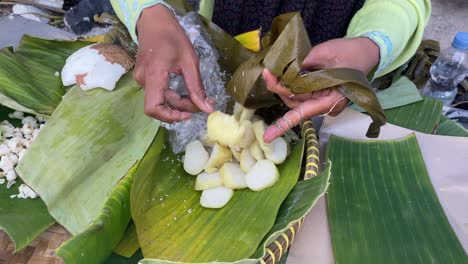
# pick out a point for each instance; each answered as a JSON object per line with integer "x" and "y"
{"x": 182, "y": 133}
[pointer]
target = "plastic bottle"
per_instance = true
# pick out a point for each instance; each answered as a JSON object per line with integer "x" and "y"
{"x": 448, "y": 70}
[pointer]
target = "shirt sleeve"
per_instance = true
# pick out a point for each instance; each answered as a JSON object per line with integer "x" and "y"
{"x": 129, "y": 12}
{"x": 396, "y": 26}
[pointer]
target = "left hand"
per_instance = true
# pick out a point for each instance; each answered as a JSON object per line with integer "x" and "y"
{"x": 357, "y": 53}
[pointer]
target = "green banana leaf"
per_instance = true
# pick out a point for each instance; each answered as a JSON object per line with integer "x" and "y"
{"x": 297, "y": 205}
{"x": 28, "y": 76}
{"x": 90, "y": 142}
{"x": 422, "y": 116}
{"x": 95, "y": 244}
{"x": 382, "y": 207}
{"x": 169, "y": 218}
{"x": 128, "y": 246}
{"x": 400, "y": 93}
{"x": 117, "y": 259}
{"x": 16, "y": 216}
{"x": 448, "y": 127}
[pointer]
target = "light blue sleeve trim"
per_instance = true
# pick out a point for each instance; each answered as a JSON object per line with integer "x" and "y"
{"x": 386, "y": 47}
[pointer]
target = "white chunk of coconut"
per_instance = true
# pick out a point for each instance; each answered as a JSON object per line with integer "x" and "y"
{"x": 247, "y": 161}
{"x": 216, "y": 197}
{"x": 236, "y": 152}
{"x": 256, "y": 151}
{"x": 263, "y": 175}
{"x": 218, "y": 157}
{"x": 96, "y": 66}
{"x": 233, "y": 176}
{"x": 195, "y": 158}
{"x": 26, "y": 192}
{"x": 206, "y": 181}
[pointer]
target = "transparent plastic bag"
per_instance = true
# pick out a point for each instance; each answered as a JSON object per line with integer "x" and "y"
{"x": 182, "y": 133}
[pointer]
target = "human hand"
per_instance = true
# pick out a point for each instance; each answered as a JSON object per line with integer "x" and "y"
{"x": 163, "y": 49}
{"x": 357, "y": 53}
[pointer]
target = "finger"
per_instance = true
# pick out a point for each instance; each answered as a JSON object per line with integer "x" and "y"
{"x": 291, "y": 103}
{"x": 155, "y": 105}
{"x": 294, "y": 117}
{"x": 274, "y": 85}
{"x": 175, "y": 101}
{"x": 339, "y": 107}
{"x": 193, "y": 82}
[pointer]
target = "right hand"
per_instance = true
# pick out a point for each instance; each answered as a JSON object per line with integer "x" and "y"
{"x": 163, "y": 49}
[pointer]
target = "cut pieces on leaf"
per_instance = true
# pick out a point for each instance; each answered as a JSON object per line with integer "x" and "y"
{"x": 249, "y": 136}
{"x": 256, "y": 151}
{"x": 224, "y": 129}
{"x": 219, "y": 156}
{"x": 208, "y": 180}
{"x": 196, "y": 157}
{"x": 243, "y": 113}
{"x": 279, "y": 150}
{"x": 216, "y": 197}
{"x": 263, "y": 175}
{"x": 236, "y": 152}
{"x": 247, "y": 161}
{"x": 207, "y": 141}
{"x": 233, "y": 176}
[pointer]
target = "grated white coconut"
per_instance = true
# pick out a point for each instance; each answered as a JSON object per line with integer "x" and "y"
{"x": 14, "y": 143}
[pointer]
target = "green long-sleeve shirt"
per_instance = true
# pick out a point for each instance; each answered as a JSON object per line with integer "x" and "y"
{"x": 396, "y": 26}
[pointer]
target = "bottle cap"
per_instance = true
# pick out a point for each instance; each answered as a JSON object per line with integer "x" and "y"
{"x": 461, "y": 41}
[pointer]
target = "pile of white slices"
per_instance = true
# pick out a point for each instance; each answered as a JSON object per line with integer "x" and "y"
{"x": 232, "y": 156}
{"x": 14, "y": 143}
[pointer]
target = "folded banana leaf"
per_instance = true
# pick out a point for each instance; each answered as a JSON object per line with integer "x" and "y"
{"x": 172, "y": 226}
{"x": 28, "y": 76}
{"x": 95, "y": 244}
{"x": 90, "y": 142}
{"x": 285, "y": 47}
{"x": 128, "y": 246}
{"x": 382, "y": 207}
{"x": 423, "y": 116}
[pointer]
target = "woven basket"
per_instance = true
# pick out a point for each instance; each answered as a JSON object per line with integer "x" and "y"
{"x": 42, "y": 249}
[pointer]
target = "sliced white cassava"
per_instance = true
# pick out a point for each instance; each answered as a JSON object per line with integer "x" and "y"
{"x": 243, "y": 113}
{"x": 263, "y": 175}
{"x": 247, "y": 161}
{"x": 98, "y": 65}
{"x": 233, "y": 176}
{"x": 195, "y": 158}
{"x": 224, "y": 129}
{"x": 249, "y": 136}
{"x": 216, "y": 197}
{"x": 206, "y": 181}
{"x": 256, "y": 151}
{"x": 219, "y": 156}
{"x": 279, "y": 150}
{"x": 236, "y": 152}
{"x": 207, "y": 141}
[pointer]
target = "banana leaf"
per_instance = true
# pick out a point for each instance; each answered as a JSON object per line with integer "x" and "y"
{"x": 128, "y": 246}
{"x": 448, "y": 127}
{"x": 382, "y": 207}
{"x": 422, "y": 116}
{"x": 400, "y": 93}
{"x": 90, "y": 142}
{"x": 15, "y": 213}
{"x": 117, "y": 259}
{"x": 285, "y": 47}
{"x": 27, "y": 76}
{"x": 172, "y": 226}
{"x": 95, "y": 244}
{"x": 16, "y": 216}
